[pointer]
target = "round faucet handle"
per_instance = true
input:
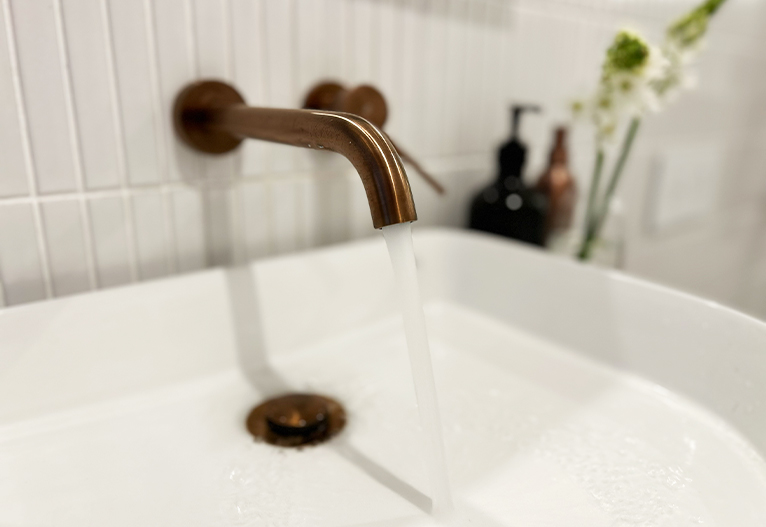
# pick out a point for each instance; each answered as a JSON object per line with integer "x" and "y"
{"x": 367, "y": 102}
{"x": 324, "y": 96}
{"x": 191, "y": 116}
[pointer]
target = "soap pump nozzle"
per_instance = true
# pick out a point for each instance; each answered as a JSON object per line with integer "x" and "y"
{"x": 518, "y": 110}
{"x": 513, "y": 154}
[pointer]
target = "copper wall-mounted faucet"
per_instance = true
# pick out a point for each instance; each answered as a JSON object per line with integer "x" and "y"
{"x": 212, "y": 117}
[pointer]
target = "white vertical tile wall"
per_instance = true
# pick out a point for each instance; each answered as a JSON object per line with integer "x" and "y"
{"x": 95, "y": 190}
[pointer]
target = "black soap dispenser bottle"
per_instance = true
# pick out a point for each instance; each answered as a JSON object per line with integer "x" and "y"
{"x": 508, "y": 207}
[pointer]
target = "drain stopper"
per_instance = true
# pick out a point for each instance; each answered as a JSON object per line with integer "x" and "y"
{"x": 296, "y": 419}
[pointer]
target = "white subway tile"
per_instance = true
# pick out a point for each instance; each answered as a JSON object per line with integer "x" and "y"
{"x": 66, "y": 247}
{"x": 278, "y": 35}
{"x": 211, "y": 29}
{"x": 362, "y": 48}
{"x": 310, "y": 64}
{"x": 494, "y": 115}
{"x": 128, "y": 24}
{"x": 248, "y": 49}
{"x": 327, "y": 207}
{"x": 281, "y": 79}
{"x": 307, "y": 201}
{"x": 249, "y": 68}
{"x": 337, "y": 40}
{"x": 214, "y": 61}
{"x": 389, "y": 50}
{"x": 218, "y": 210}
{"x": 189, "y": 229}
{"x": 332, "y": 205}
{"x": 254, "y": 158}
{"x": 410, "y": 75}
{"x": 20, "y": 261}
{"x": 434, "y": 83}
{"x": 452, "y": 106}
{"x": 153, "y": 247}
{"x": 177, "y": 65}
{"x": 86, "y": 39}
{"x": 45, "y": 101}
{"x": 510, "y": 52}
{"x": 284, "y": 219}
{"x": 110, "y": 241}
{"x": 359, "y": 218}
{"x": 310, "y": 45}
{"x": 14, "y": 180}
{"x": 256, "y": 219}
{"x": 471, "y": 133}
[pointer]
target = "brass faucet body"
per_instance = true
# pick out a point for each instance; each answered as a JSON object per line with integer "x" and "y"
{"x": 211, "y": 116}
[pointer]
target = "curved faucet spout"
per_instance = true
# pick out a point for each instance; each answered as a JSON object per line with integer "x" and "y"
{"x": 212, "y": 117}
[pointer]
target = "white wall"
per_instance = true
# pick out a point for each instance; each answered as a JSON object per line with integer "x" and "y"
{"x": 95, "y": 191}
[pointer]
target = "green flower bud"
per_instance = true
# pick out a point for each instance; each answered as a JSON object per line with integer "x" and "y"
{"x": 628, "y": 53}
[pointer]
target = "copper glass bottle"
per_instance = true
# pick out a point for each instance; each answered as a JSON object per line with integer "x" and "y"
{"x": 559, "y": 186}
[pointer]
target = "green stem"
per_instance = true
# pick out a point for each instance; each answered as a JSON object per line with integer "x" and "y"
{"x": 611, "y": 187}
{"x": 589, "y": 211}
{"x": 596, "y": 218}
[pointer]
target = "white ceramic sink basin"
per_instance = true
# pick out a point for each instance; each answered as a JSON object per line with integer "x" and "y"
{"x": 570, "y": 397}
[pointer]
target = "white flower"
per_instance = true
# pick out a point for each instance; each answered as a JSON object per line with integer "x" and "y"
{"x": 626, "y": 88}
{"x": 683, "y": 42}
{"x": 679, "y": 73}
{"x": 633, "y": 93}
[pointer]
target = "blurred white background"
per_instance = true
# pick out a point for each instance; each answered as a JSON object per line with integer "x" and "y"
{"x": 96, "y": 192}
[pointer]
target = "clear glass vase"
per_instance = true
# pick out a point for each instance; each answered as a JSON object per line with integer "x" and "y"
{"x": 608, "y": 250}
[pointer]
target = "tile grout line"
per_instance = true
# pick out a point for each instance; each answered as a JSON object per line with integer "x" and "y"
{"x": 122, "y": 162}
{"x": 27, "y": 148}
{"x": 76, "y": 146}
{"x": 161, "y": 141}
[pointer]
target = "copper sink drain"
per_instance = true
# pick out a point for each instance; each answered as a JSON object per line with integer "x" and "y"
{"x": 296, "y": 419}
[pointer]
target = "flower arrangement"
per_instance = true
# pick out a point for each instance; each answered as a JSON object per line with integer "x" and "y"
{"x": 636, "y": 78}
